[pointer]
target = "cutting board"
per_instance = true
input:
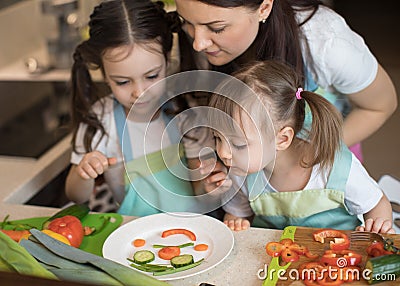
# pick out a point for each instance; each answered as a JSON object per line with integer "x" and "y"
{"x": 91, "y": 243}
{"x": 304, "y": 236}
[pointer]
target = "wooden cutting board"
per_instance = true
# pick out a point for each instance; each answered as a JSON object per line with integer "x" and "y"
{"x": 304, "y": 236}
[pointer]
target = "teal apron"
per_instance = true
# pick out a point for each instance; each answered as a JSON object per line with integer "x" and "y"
{"x": 321, "y": 208}
{"x": 339, "y": 101}
{"x": 151, "y": 186}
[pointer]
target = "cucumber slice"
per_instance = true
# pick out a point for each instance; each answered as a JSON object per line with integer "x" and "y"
{"x": 182, "y": 260}
{"x": 143, "y": 256}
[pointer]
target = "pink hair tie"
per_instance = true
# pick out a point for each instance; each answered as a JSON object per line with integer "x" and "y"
{"x": 298, "y": 92}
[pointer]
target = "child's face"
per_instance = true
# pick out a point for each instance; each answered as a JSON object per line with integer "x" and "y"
{"x": 129, "y": 76}
{"x": 246, "y": 151}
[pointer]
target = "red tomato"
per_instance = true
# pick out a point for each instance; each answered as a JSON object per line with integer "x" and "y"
{"x": 70, "y": 227}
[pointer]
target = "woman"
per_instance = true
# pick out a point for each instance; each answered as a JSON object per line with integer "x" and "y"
{"x": 304, "y": 34}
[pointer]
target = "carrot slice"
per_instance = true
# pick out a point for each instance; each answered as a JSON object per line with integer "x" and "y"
{"x": 139, "y": 242}
{"x": 173, "y": 231}
{"x": 167, "y": 253}
{"x": 16, "y": 235}
{"x": 201, "y": 247}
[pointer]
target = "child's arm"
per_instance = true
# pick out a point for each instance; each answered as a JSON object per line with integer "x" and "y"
{"x": 80, "y": 180}
{"x": 237, "y": 223}
{"x": 379, "y": 219}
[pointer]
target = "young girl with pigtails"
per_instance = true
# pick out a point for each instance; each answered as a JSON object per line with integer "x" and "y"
{"x": 130, "y": 43}
{"x": 286, "y": 174}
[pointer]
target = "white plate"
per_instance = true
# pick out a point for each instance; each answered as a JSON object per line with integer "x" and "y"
{"x": 219, "y": 238}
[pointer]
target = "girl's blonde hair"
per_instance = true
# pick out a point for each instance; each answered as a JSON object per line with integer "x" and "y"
{"x": 273, "y": 100}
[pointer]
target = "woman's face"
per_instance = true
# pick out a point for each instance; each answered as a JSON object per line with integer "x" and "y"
{"x": 222, "y": 34}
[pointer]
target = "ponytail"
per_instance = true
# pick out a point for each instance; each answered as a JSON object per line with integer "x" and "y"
{"x": 84, "y": 95}
{"x": 325, "y": 133}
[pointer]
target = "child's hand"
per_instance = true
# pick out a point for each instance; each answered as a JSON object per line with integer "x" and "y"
{"x": 93, "y": 164}
{"x": 236, "y": 223}
{"x": 378, "y": 225}
{"x": 217, "y": 182}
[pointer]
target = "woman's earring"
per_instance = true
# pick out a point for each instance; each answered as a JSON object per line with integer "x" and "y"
{"x": 263, "y": 21}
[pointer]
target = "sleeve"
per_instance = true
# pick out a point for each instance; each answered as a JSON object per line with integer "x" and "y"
{"x": 362, "y": 192}
{"x": 103, "y": 145}
{"x": 337, "y": 56}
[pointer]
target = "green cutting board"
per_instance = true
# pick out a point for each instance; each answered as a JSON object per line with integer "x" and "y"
{"x": 91, "y": 243}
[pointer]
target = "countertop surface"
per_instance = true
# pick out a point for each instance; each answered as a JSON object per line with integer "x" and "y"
{"x": 21, "y": 178}
{"x": 240, "y": 268}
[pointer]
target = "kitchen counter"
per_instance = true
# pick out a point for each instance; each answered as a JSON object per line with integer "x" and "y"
{"x": 239, "y": 268}
{"x": 22, "y": 178}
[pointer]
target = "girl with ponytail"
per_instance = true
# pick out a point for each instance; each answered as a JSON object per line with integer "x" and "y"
{"x": 286, "y": 174}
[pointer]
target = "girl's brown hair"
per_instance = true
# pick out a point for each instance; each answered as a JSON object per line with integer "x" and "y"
{"x": 274, "y": 85}
{"x": 113, "y": 24}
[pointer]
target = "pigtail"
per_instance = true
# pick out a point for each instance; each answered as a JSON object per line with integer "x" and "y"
{"x": 325, "y": 135}
{"x": 84, "y": 94}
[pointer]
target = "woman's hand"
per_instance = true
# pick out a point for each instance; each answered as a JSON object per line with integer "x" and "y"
{"x": 378, "y": 225}
{"x": 93, "y": 164}
{"x": 236, "y": 223}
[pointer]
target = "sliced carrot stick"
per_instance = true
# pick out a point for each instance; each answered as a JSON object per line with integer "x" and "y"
{"x": 167, "y": 253}
{"x": 16, "y": 235}
{"x": 201, "y": 247}
{"x": 139, "y": 242}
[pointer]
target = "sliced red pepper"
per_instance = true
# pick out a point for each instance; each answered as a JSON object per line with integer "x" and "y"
{"x": 288, "y": 250}
{"x": 303, "y": 250}
{"x": 376, "y": 249}
{"x": 334, "y": 257}
{"x": 174, "y": 231}
{"x": 341, "y": 240}
{"x": 274, "y": 249}
{"x": 289, "y": 255}
{"x": 329, "y": 282}
{"x": 311, "y": 277}
{"x": 350, "y": 273}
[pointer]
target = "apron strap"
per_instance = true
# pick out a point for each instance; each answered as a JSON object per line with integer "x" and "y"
{"x": 309, "y": 84}
{"x": 120, "y": 119}
{"x": 341, "y": 168}
{"x": 172, "y": 127}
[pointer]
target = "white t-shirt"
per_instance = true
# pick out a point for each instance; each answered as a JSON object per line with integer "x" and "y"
{"x": 337, "y": 57}
{"x": 155, "y": 138}
{"x": 362, "y": 193}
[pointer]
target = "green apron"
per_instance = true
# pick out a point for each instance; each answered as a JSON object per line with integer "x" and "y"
{"x": 321, "y": 208}
{"x": 151, "y": 186}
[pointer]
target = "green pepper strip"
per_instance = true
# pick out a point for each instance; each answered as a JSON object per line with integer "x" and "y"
{"x": 180, "y": 246}
{"x": 106, "y": 221}
{"x": 389, "y": 246}
{"x": 179, "y": 269}
{"x": 15, "y": 226}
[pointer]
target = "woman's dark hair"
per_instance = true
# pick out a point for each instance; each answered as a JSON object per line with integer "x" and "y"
{"x": 112, "y": 24}
{"x": 279, "y": 37}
